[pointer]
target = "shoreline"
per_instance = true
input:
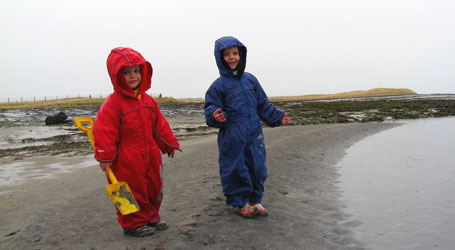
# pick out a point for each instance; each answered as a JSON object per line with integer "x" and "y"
{"x": 24, "y": 133}
{"x": 71, "y": 210}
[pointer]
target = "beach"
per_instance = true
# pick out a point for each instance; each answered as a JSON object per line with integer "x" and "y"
{"x": 70, "y": 210}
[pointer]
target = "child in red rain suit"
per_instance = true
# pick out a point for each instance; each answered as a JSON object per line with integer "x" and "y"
{"x": 130, "y": 132}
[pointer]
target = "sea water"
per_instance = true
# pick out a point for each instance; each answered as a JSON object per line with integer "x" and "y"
{"x": 398, "y": 186}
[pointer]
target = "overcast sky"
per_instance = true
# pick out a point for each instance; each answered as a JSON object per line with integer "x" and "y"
{"x": 296, "y": 47}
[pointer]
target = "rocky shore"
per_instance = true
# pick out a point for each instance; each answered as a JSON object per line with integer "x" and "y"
{"x": 187, "y": 120}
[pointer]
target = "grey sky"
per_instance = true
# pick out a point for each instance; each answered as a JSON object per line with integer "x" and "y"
{"x": 294, "y": 47}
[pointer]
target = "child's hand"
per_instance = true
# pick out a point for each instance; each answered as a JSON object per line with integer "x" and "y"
{"x": 171, "y": 154}
{"x": 286, "y": 119}
{"x": 105, "y": 165}
{"x": 218, "y": 116}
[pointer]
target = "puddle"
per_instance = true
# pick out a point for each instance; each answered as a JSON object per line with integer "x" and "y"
{"x": 399, "y": 185}
{"x": 18, "y": 172}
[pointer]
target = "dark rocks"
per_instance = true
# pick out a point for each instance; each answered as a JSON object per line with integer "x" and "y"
{"x": 56, "y": 119}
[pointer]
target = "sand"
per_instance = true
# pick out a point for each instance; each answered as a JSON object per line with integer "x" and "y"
{"x": 70, "y": 209}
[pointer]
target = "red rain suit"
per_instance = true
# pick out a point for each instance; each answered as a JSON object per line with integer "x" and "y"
{"x": 130, "y": 131}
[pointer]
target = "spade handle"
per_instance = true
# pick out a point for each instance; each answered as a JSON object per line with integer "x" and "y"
{"x": 79, "y": 121}
{"x": 112, "y": 177}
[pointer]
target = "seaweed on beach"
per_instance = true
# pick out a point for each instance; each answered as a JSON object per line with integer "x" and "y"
{"x": 324, "y": 112}
{"x": 59, "y": 145}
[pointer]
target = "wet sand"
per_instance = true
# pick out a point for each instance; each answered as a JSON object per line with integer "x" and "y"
{"x": 71, "y": 210}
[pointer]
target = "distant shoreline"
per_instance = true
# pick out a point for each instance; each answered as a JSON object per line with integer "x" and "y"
{"x": 88, "y": 101}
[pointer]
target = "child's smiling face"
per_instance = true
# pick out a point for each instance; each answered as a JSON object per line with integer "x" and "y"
{"x": 232, "y": 57}
{"x": 132, "y": 75}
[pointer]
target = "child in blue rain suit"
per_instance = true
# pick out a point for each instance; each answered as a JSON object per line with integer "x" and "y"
{"x": 236, "y": 104}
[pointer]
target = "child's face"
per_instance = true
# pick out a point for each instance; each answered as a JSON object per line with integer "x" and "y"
{"x": 232, "y": 57}
{"x": 132, "y": 75}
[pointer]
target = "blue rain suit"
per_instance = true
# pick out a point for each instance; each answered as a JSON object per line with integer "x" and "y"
{"x": 241, "y": 146}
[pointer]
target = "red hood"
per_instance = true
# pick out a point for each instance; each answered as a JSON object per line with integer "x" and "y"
{"x": 121, "y": 57}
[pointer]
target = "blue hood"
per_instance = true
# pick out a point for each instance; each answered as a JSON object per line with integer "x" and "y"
{"x": 224, "y": 43}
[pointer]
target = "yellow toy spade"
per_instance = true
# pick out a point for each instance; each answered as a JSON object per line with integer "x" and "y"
{"x": 119, "y": 192}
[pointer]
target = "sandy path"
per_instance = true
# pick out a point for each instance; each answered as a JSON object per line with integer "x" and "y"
{"x": 71, "y": 211}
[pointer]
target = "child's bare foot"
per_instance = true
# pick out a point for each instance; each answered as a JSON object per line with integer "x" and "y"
{"x": 262, "y": 211}
{"x": 247, "y": 211}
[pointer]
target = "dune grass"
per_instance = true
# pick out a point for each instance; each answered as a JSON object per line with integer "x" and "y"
{"x": 376, "y": 92}
{"x": 67, "y": 102}
{"x": 86, "y": 102}
{"x": 70, "y": 102}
